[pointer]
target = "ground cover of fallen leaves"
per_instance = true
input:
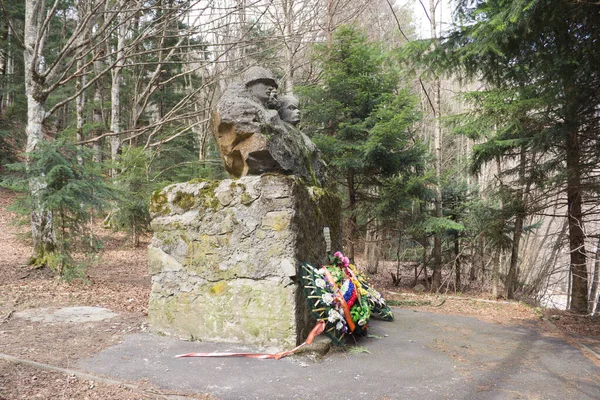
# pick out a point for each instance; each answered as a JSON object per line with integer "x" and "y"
{"x": 118, "y": 280}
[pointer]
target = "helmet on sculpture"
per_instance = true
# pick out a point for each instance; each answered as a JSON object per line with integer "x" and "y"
{"x": 259, "y": 74}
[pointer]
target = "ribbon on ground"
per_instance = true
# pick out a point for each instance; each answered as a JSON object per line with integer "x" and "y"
{"x": 316, "y": 331}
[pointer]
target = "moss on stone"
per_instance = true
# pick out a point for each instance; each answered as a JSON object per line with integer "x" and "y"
{"x": 317, "y": 193}
{"x": 207, "y": 197}
{"x": 275, "y": 251}
{"x": 184, "y": 200}
{"x": 246, "y": 198}
{"x": 219, "y": 289}
{"x": 205, "y": 257}
{"x": 198, "y": 180}
{"x": 252, "y": 312}
{"x": 276, "y": 220}
{"x": 159, "y": 203}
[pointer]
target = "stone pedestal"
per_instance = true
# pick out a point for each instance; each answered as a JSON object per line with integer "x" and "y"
{"x": 225, "y": 258}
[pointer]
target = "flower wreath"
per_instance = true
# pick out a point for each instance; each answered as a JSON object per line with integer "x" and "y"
{"x": 338, "y": 294}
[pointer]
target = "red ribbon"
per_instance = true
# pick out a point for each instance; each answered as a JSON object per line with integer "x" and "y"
{"x": 316, "y": 331}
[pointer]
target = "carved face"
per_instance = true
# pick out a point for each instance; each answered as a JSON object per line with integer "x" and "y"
{"x": 290, "y": 113}
{"x": 262, "y": 91}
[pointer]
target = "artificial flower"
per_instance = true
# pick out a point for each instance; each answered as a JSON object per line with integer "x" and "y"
{"x": 339, "y": 326}
{"x": 334, "y": 315}
{"x": 320, "y": 283}
{"x": 327, "y": 298}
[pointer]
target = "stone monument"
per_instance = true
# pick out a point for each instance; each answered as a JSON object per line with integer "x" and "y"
{"x": 253, "y": 139}
{"x": 225, "y": 256}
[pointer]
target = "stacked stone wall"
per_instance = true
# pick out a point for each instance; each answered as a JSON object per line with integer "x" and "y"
{"x": 225, "y": 258}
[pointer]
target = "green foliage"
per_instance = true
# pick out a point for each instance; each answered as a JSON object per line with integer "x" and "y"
{"x": 69, "y": 191}
{"x": 539, "y": 109}
{"x": 362, "y": 123}
{"x": 131, "y": 213}
{"x": 141, "y": 172}
{"x": 7, "y": 149}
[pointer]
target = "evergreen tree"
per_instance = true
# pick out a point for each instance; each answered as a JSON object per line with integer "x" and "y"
{"x": 70, "y": 192}
{"x": 541, "y": 57}
{"x": 360, "y": 120}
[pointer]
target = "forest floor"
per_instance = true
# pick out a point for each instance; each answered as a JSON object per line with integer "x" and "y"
{"x": 118, "y": 280}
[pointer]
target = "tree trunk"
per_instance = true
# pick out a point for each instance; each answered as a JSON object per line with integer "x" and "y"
{"x": 479, "y": 260}
{"x": 97, "y": 120}
{"x": 457, "y": 266}
{"x": 10, "y": 72}
{"x": 3, "y": 64}
{"x": 243, "y": 32}
{"x": 42, "y": 231}
{"x": 44, "y": 239}
{"x": 329, "y": 23}
{"x": 512, "y": 276}
{"x": 569, "y": 286}
{"x": 425, "y": 259}
{"x": 436, "y": 280}
{"x": 80, "y": 109}
{"x": 290, "y": 45}
{"x": 595, "y": 278}
{"x": 579, "y": 289}
{"x": 351, "y": 220}
{"x": 372, "y": 248}
{"x": 115, "y": 94}
{"x": 496, "y": 273}
{"x": 497, "y": 253}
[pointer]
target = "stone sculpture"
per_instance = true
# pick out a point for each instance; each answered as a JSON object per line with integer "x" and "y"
{"x": 254, "y": 138}
{"x": 288, "y": 111}
{"x": 225, "y": 256}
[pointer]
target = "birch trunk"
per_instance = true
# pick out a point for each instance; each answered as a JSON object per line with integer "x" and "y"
{"x": 44, "y": 240}
{"x": 437, "y": 144}
{"x": 97, "y": 120}
{"x": 595, "y": 280}
{"x": 288, "y": 10}
{"x": 3, "y": 64}
{"x": 115, "y": 94}
{"x": 80, "y": 109}
{"x": 42, "y": 231}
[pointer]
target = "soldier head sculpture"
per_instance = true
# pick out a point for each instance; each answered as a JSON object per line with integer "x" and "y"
{"x": 256, "y": 135}
{"x": 261, "y": 84}
{"x": 289, "y": 111}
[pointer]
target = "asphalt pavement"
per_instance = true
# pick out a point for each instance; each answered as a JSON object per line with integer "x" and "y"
{"x": 417, "y": 356}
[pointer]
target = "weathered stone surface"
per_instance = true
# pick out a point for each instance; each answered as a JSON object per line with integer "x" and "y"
{"x": 419, "y": 288}
{"x": 252, "y": 138}
{"x": 225, "y": 256}
{"x": 64, "y": 315}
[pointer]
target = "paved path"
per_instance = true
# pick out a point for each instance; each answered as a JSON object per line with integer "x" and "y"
{"x": 418, "y": 356}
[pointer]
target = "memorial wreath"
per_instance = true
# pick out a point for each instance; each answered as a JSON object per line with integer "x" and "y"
{"x": 339, "y": 295}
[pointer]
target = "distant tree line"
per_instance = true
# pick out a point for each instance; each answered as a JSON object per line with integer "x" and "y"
{"x": 461, "y": 157}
